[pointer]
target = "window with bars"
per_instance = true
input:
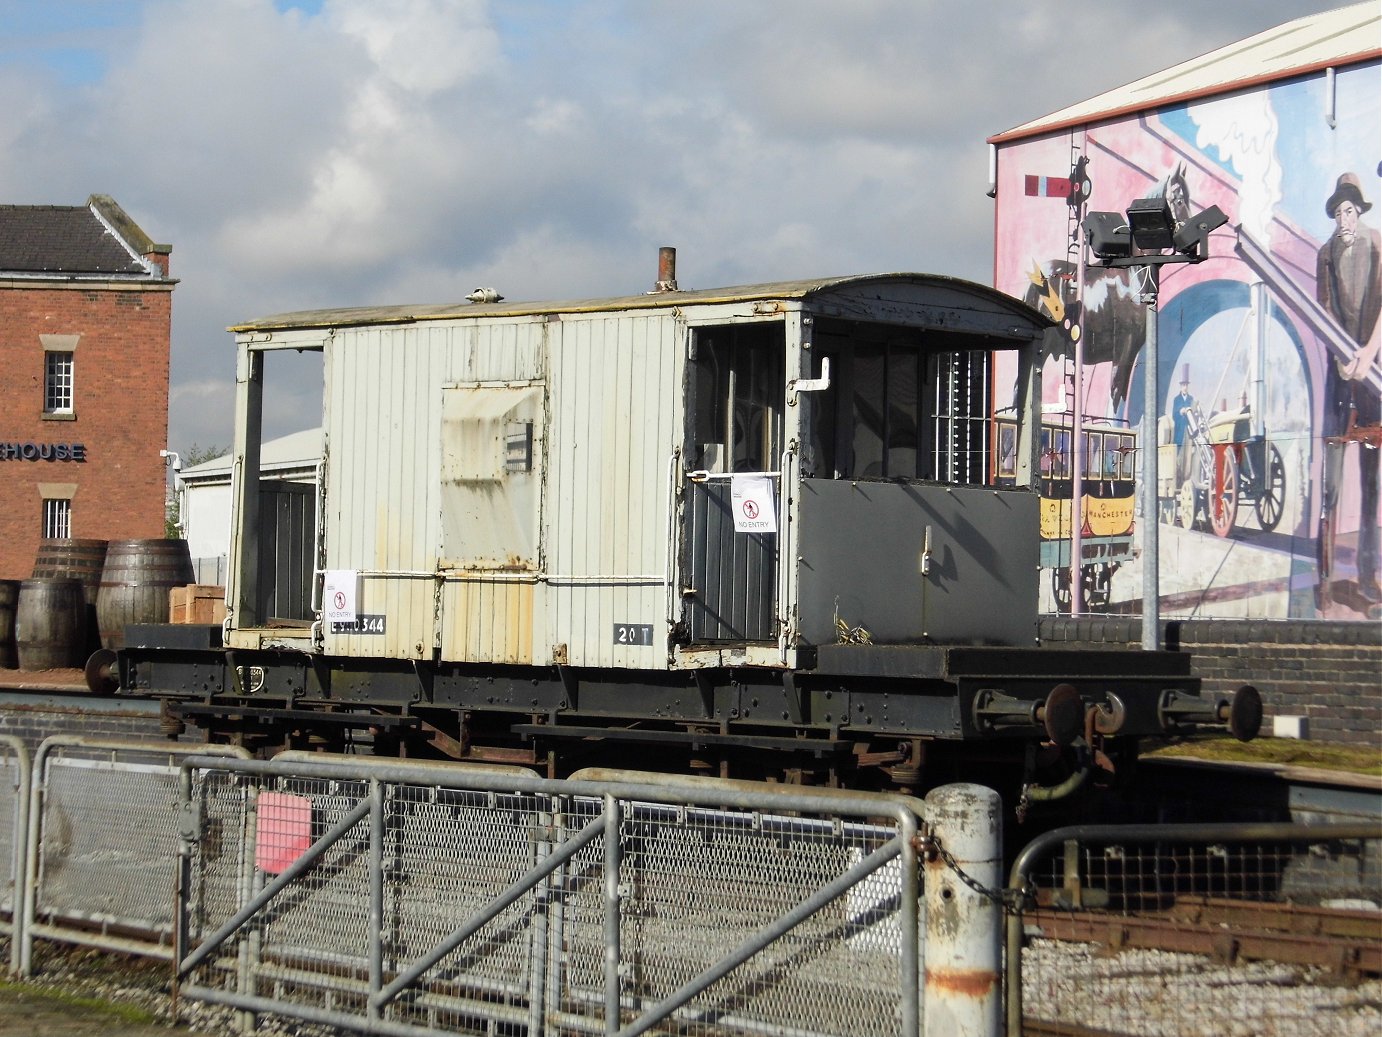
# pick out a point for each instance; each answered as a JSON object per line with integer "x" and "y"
{"x": 57, "y": 383}
{"x": 958, "y": 392}
{"x": 902, "y": 404}
{"x": 57, "y": 519}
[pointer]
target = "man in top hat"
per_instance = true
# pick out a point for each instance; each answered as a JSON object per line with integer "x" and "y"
{"x": 1180, "y": 425}
{"x": 1348, "y": 283}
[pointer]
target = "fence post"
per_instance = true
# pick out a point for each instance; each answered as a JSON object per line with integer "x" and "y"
{"x": 963, "y": 992}
{"x": 18, "y": 833}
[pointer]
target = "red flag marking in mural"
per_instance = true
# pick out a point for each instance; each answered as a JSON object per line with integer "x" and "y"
{"x": 1048, "y": 186}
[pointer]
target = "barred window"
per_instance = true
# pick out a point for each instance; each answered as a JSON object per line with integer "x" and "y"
{"x": 57, "y": 519}
{"x": 57, "y": 383}
{"x": 902, "y": 405}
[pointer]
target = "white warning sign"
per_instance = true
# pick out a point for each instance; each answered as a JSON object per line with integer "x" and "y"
{"x": 338, "y": 595}
{"x": 751, "y": 499}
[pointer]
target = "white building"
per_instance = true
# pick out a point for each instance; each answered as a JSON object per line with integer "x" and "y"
{"x": 288, "y": 470}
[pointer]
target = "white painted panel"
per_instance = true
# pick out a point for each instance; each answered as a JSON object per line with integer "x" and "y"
{"x": 615, "y": 418}
{"x": 490, "y": 620}
{"x": 206, "y": 519}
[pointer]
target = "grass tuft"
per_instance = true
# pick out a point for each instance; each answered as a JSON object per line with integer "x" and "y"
{"x": 1293, "y": 752}
{"x": 124, "y": 1013}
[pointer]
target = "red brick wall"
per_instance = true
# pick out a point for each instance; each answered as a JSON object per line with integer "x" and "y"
{"x": 120, "y": 404}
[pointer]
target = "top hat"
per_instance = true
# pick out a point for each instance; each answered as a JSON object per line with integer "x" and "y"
{"x": 1347, "y": 189}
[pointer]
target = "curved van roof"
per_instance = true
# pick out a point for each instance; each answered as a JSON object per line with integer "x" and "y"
{"x": 865, "y": 296}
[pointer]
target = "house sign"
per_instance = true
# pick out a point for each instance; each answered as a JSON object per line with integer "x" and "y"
{"x": 13, "y": 451}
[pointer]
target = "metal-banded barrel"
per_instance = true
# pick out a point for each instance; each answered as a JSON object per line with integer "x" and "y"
{"x": 50, "y": 624}
{"x": 9, "y": 601}
{"x": 73, "y": 559}
{"x": 135, "y": 582}
{"x": 76, "y": 559}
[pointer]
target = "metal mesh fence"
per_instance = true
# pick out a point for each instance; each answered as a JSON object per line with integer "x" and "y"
{"x": 422, "y": 907}
{"x": 1188, "y": 931}
{"x": 699, "y": 882}
{"x": 452, "y": 852}
{"x": 107, "y": 850}
{"x": 104, "y": 838}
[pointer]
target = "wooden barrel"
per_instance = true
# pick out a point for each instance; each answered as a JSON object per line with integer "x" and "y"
{"x": 73, "y": 559}
{"x": 135, "y": 582}
{"x": 49, "y": 624}
{"x": 9, "y": 601}
{"x": 76, "y": 559}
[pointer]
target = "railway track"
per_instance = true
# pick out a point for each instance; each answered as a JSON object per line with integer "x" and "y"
{"x": 1042, "y": 1028}
{"x": 1346, "y": 942}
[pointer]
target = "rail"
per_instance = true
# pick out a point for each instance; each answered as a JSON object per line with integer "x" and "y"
{"x": 1220, "y": 891}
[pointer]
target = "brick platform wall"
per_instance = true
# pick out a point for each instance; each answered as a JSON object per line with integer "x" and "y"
{"x": 33, "y": 717}
{"x": 1330, "y": 673}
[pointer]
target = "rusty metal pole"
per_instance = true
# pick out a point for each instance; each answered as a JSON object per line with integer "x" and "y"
{"x": 666, "y": 270}
{"x": 963, "y": 956}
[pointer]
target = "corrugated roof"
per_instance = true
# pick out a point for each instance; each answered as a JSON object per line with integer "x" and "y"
{"x": 296, "y": 450}
{"x": 1335, "y": 39}
{"x": 68, "y": 240}
{"x": 358, "y": 315}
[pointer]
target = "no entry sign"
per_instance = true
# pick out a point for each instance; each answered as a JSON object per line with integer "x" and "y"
{"x": 751, "y": 499}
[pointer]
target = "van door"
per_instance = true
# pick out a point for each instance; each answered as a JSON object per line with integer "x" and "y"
{"x": 733, "y": 499}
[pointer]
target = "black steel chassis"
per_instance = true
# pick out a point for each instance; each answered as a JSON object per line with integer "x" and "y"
{"x": 849, "y": 706}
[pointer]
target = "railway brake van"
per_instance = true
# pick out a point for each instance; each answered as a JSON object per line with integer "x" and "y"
{"x": 750, "y": 531}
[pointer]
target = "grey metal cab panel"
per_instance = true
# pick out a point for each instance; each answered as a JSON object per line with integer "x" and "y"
{"x": 913, "y": 563}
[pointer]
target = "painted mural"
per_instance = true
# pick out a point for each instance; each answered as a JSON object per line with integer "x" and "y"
{"x": 1268, "y": 428}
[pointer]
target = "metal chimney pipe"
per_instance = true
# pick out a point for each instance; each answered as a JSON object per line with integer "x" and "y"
{"x": 666, "y": 269}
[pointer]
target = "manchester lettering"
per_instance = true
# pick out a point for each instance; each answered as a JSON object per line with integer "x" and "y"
{"x": 29, "y": 451}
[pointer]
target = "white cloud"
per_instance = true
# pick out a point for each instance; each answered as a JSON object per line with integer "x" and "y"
{"x": 421, "y": 46}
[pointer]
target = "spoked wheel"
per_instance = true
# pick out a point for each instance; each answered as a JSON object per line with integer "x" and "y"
{"x": 1060, "y": 588}
{"x": 1223, "y": 497}
{"x": 1097, "y": 580}
{"x": 1185, "y": 505}
{"x": 1271, "y": 499}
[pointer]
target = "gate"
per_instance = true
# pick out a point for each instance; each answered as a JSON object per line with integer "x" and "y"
{"x": 732, "y": 576}
{"x": 101, "y": 842}
{"x": 403, "y": 899}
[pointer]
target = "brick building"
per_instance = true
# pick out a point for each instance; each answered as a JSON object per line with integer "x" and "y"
{"x": 85, "y": 324}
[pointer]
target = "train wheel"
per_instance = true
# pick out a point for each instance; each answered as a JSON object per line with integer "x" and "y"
{"x": 1185, "y": 505}
{"x": 1271, "y": 499}
{"x": 1060, "y": 589}
{"x": 1223, "y": 499}
{"x": 1097, "y": 580}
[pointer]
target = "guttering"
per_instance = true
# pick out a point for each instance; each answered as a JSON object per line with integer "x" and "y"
{"x": 1039, "y": 128}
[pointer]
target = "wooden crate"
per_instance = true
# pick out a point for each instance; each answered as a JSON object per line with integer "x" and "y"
{"x": 197, "y": 603}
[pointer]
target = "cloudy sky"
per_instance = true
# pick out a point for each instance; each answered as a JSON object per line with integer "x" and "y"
{"x": 308, "y": 153}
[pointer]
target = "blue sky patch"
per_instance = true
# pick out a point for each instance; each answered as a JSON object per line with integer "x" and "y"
{"x": 307, "y": 7}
